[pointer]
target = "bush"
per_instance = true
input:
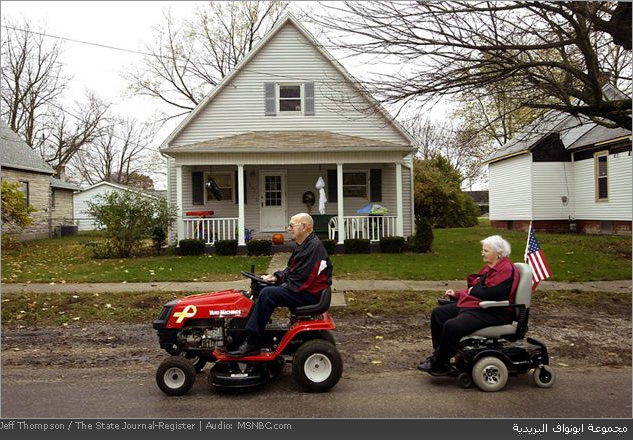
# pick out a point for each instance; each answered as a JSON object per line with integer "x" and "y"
{"x": 15, "y": 212}
{"x": 259, "y": 247}
{"x": 423, "y": 238}
{"x": 356, "y": 246}
{"x": 128, "y": 217}
{"x": 99, "y": 249}
{"x": 329, "y": 245}
{"x": 191, "y": 247}
{"x": 158, "y": 237}
{"x": 392, "y": 245}
{"x": 438, "y": 197}
{"x": 226, "y": 247}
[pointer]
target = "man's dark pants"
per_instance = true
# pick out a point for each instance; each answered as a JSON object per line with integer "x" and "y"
{"x": 449, "y": 324}
{"x": 276, "y": 296}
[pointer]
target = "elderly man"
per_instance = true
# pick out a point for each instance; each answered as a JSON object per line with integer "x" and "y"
{"x": 308, "y": 273}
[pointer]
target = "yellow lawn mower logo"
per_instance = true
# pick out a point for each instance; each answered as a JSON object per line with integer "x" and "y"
{"x": 187, "y": 312}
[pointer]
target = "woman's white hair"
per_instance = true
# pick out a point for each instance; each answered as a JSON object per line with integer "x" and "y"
{"x": 498, "y": 244}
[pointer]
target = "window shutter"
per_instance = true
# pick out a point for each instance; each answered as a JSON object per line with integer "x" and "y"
{"x": 237, "y": 193}
{"x": 308, "y": 89}
{"x": 269, "y": 91}
{"x": 332, "y": 192}
{"x": 375, "y": 182}
{"x": 197, "y": 188}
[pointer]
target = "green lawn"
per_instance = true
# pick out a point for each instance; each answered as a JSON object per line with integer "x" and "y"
{"x": 456, "y": 253}
{"x": 66, "y": 260}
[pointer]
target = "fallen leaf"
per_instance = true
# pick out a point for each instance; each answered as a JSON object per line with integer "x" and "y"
{"x": 376, "y": 362}
{"x": 380, "y": 337}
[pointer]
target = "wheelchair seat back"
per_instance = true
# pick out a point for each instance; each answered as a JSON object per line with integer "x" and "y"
{"x": 523, "y": 297}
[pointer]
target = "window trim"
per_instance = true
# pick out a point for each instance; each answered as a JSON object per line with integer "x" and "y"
{"x": 596, "y": 157}
{"x": 279, "y": 98}
{"x": 367, "y": 184}
{"x": 28, "y": 191}
{"x": 208, "y": 174}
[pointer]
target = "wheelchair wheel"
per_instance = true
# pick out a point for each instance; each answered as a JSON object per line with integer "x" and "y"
{"x": 464, "y": 380}
{"x": 490, "y": 374}
{"x": 544, "y": 376}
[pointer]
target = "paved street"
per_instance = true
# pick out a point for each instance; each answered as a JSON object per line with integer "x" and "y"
{"x": 131, "y": 392}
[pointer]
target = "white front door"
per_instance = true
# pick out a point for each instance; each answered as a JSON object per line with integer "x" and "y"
{"x": 272, "y": 211}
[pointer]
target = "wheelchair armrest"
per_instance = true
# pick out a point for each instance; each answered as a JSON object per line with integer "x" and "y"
{"x": 487, "y": 304}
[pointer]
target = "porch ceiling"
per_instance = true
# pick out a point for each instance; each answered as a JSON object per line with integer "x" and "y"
{"x": 280, "y": 141}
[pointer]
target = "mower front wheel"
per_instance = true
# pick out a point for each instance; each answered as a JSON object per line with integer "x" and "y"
{"x": 317, "y": 365}
{"x": 175, "y": 376}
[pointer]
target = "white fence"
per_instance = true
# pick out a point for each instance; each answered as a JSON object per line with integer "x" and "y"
{"x": 211, "y": 229}
{"x": 367, "y": 227}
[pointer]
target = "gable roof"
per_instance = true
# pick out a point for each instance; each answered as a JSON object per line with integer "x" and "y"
{"x": 121, "y": 187}
{"x": 288, "y": 18}
{"x": 57, "y": 183}
{"x": 15, "y": 153}
{"x": 280, "y": 140}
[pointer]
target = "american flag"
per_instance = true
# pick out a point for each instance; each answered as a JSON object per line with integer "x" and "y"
{"x": 535, "y": 258}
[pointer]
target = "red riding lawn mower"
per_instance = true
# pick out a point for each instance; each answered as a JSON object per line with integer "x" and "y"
{"x": 202, "y": 328}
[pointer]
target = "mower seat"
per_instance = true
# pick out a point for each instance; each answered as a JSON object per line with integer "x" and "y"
{"x": 522, "y": 299}
{"x": 315, "y": 309}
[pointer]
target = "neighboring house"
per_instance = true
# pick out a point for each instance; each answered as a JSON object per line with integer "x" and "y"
{"x": 286, "y": 115}
{"x": 52, "y": 198}
{"x": 480, "y": 198}
{"x": 564, "y": 175}
{"x": 91, "y": 194}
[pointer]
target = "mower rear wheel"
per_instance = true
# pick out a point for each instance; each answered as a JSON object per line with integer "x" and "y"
{"x": 175, "y": 376}
{"x": 490, "y": 374}
{"x": 317, "y": 365}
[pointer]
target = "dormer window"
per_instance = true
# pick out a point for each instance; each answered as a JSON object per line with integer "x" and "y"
{"x": 290, "y": 98}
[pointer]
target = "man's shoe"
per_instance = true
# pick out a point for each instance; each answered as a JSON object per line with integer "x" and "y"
{"x": 245, "y": 349}
{"x": 426, "y": 365}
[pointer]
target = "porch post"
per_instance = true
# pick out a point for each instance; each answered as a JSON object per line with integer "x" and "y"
{"x": 240, "y": 209}
{"x": 180, "y": 224}
{"x": 341, "y": 210}
{"x": 399, "y": 210}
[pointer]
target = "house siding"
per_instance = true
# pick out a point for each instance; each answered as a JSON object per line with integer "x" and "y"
{"x": 62, "y": 213}
{"x": 287, "y": 57}
{"x": 618, "y": 207}
{"x": 552, "y": 181}
{"x": 39, "y": 198}
{"x": 511, "y": 188}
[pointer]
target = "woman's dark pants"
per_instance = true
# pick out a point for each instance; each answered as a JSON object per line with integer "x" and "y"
{"x": 449, "y": 324}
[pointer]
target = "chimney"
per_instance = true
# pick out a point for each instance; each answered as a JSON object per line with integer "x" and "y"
{"x": 61, "y": 173}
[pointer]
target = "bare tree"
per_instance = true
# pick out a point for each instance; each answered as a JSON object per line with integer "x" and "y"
{"x": 68, "y": 132}
{"x": 31, "y": 79}
{"x": 188, "y": 59}
{"x": 555, "y": 53}
{"x": 120, "y": 155}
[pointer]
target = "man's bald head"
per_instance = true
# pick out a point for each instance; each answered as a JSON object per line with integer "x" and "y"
{"x": 301, "y": 225}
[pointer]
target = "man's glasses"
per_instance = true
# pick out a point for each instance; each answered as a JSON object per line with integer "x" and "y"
{"x": 291, "y": 226}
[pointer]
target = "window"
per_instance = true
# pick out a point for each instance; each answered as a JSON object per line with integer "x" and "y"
{"x": 355, "y": 184}
{"x": 600, "y": 169}
{"x": 289, "y": 98}
{"x": 53, "y": 198}
{"x": 225, "y": 184}
{"x": 24, "y": 189}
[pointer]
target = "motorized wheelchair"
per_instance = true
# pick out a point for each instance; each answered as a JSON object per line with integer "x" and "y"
{"x": 488, "y": 356}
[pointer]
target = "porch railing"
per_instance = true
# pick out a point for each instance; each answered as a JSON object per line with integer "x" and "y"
{"x": 367, "y": 227}
{"x": 211, "y": 229}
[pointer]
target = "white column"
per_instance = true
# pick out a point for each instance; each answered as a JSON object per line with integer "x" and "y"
{"x": 399, "y": 208}
{"x": 180, "y": 224}
{"x": 240, "y": 208}
{"x": 341, "y": 210}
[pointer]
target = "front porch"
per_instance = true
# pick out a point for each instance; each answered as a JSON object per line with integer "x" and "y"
{"x": 272, "y": 195}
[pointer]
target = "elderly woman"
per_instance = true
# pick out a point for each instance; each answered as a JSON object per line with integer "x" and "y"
{"x": 496, "y": 281}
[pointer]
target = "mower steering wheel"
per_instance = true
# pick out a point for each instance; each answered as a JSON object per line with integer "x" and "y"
{"x": 255, "y": 278}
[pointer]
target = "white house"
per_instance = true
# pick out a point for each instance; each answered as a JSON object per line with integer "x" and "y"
{"x": 563, "y": 173}
{"x": 90, "y": 194}
{"x": 286, "y": 115}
